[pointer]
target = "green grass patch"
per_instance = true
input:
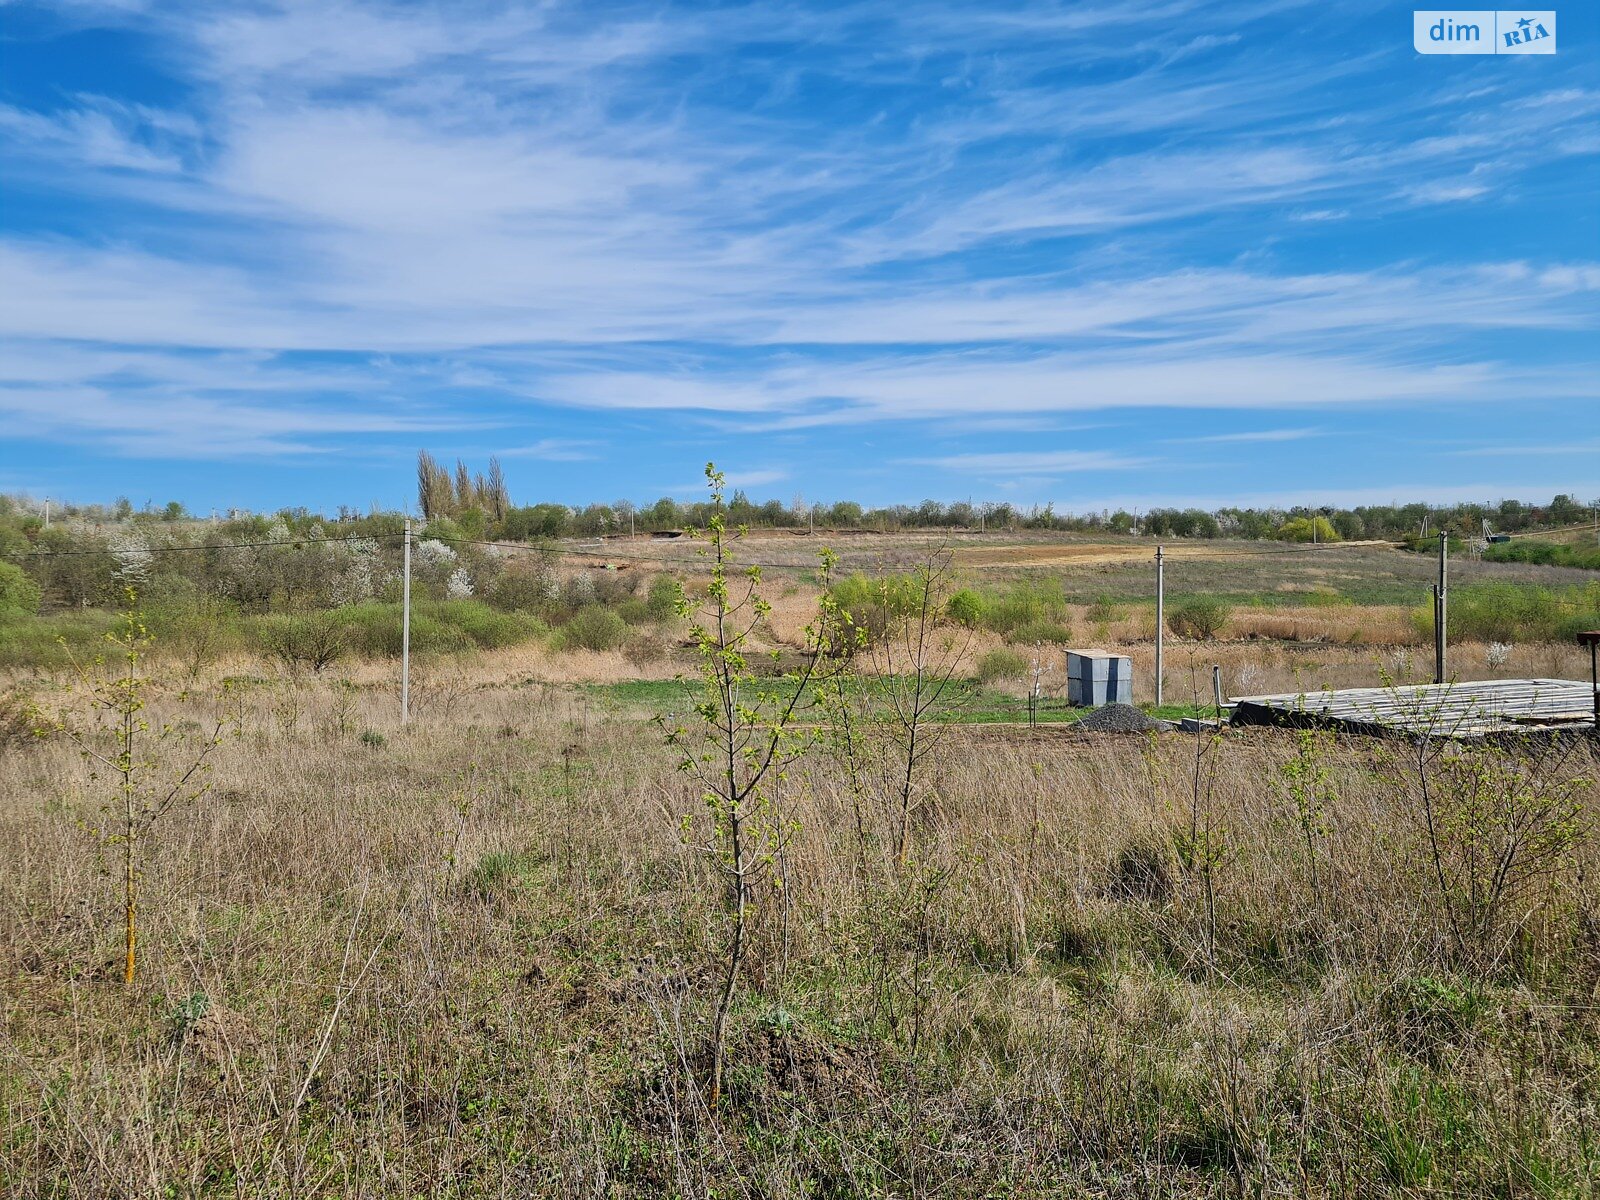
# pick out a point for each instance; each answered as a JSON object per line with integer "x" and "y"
{"x": 1550, "y": 554}
{"x": 57, "y": 640}
{"x": 360, "y": 631}
{"x": 969, "y": 703}
{"x": 1510, "y": 612}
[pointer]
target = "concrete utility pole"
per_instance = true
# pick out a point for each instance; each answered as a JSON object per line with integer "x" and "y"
{"x": 47, "y": 512}
{"x": 405, "y": 632}
{"x": 1161, "y": 614}
{"x": 1441, "y": 608}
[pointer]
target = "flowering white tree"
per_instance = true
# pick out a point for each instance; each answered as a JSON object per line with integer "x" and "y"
{"x": 133, "y": 558}
{"x": 433, "y": 555}
{"x": 357, "y": 567}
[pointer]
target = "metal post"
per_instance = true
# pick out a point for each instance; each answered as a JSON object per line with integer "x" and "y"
{"x": 1594, "y": 678}
{"x": 405, "y": 632}
{"x": 1161, "y": 614}
{"x": 1216, "y": 688}
{"x": 1441, "y": 610}
{"x": 1591, "y": 638}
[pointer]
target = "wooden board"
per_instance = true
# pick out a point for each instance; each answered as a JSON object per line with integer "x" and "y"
{"x": 1460, "y": 710}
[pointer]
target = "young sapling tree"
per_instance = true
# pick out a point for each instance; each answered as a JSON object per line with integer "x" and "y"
{"x": 152, "y": 768}
{"x": 739, "y": 747}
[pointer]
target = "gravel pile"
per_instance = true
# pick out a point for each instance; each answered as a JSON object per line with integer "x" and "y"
{"x": 1120, "y": 718}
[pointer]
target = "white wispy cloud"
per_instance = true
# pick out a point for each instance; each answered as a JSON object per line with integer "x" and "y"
{"x": 1439, "y": 491}
{"x": 950, "y": 385}
{"x": 1588, "y": 447}
{"x": 732, "y": 480}
{"x": 555, "y": 450}
{"x": 99, "y": 133}
{"x": 1255, "y": 435}
{"x": 615, "y": 210}
{"x": 1033, "y": 462}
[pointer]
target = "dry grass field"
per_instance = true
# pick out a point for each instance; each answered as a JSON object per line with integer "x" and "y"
{"x": 477, "y": 956}
{"x": 1122, "y": 569}
{"x": 485, "y": 953}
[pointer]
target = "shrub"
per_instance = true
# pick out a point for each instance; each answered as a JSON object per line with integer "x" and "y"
{"x": 198, "y": 633}
{"x": 1001, "y": 664}
{"x": 875, "y": 604}
{"x": 661, "y": 601}
{"x": 1051, "y": 633}
{"x": 437, "y": 627}
{"x": 1429, "y": 544}
{"x": 610, "y": 586}
{"x": 1025, "y": 604}
{"x": 642, "y": 651}
{"x": 1508, "y": 612}
{"x": 594, "y": 628}
{"x": 1308, "y": 529}
{"x": 1554, "y": 554}
{"x": 313, "y": 640}
{"x": 19, "y": 595}
{"x": 486, "y": 627}
{"x": 1104, "y": 610}
{"x": 373, "y": 630}
{"x": 1198, "y": 616}
{"x": 521, "y": 587}
{"x": 967, "y": 607}
{"x": 633, "y": 611}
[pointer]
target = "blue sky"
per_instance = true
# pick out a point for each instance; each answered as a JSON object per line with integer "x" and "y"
{"x": 1142, "y": 253}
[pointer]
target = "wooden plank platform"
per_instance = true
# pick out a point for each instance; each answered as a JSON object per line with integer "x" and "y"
{"x": 1475, "y": 709}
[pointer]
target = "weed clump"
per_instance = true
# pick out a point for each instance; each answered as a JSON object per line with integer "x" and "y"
{"x": 1199, "y": 617}
{"x": 1043, "y": 631}
{"x": 1142, "y": 871}
{"x": 1001, "y": 664}
{"x": 594, "y": 628}
{"x": 1104, "y": 610}
{"x": 17, "y": 719}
